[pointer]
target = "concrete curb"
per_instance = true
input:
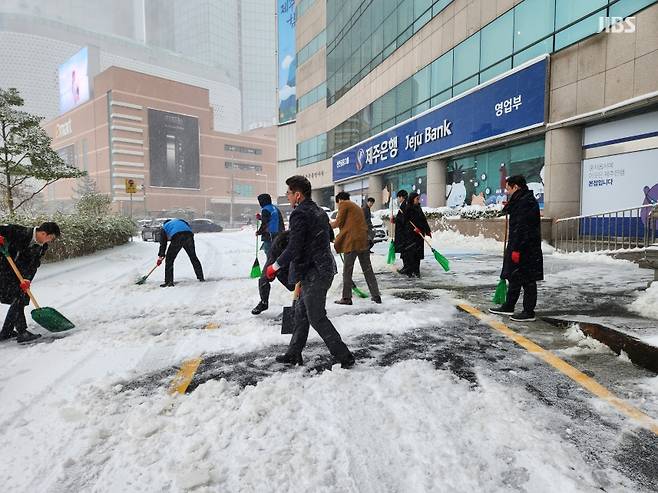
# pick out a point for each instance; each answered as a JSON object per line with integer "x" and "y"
{"x": 639, "y": 352}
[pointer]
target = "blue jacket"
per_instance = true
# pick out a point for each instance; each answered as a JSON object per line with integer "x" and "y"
{"x": 272, "y": 222}
{"x": 170, "y": 229}
{"x": 308, "y": 247}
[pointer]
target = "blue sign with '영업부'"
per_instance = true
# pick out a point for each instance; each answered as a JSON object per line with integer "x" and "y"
{"x": 512, "y": 103}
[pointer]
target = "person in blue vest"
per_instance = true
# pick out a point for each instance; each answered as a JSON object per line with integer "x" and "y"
{"x": 179, "y": 233}
{"x": 271, "y": 221}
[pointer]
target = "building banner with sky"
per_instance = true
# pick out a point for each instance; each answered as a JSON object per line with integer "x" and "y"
{"x": 287, "y": 61}
{"x": 173, "y": 150}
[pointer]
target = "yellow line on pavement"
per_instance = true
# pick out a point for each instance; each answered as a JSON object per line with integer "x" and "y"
{"x": 186, "y": 372}
{"x": 184, "y": 376}
{"x": 576, "y": 375}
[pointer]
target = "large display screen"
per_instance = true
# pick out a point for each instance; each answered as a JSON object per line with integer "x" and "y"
{"x": 173, "y": 150}
{"x": 287, "y": 60}
{"x": 74, "y": 81}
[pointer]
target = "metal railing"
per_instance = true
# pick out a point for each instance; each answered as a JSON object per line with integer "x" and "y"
{"x": 624, "y": 229}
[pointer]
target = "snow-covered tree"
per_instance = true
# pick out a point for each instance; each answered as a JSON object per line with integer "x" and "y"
{"x": 25, "y": 153}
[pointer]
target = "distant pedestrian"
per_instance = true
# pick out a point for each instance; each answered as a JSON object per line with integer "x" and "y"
{"x": 418, "y": 228}
{"x": 367, "y": 212}
{"x": 278, "y": 246}
{"x": 402, "y": 232}
{"x": 312, "y": 264}
{"x": 26, "y": 247}
{"x": 179, "y": 233}
{"x": 271, "y": 221}
{"x": 523, "y": 263}
{"x": 353, "y": 242}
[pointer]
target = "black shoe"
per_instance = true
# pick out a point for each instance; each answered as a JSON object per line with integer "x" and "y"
{"x": 343, "y": 301}
{"x": 403, "y": 270}
{"x": 167, "y": 285}
{"x": 290, "y": 359}
{"x": 377, "y": 299}
{"x": 502, "y": 310}
{"x": 201, "y": 279}
{"x": 348, "y": 362}
{"x": 26, "y": 336}
{"x": 523, "y": 317}
{"x": 260, "y": 307}
{"x": 7, "y": 335}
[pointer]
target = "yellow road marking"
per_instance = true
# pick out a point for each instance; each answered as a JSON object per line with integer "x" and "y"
{"x": 576, "y": 375}
{"x": 184, "y": 376}
{"x": 186, "y": 372}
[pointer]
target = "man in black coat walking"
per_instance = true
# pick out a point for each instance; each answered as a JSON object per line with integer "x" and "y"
{"x": 312, "y": 264}
{"x": 25, "y": 246}
{"x": 523, "y": 264}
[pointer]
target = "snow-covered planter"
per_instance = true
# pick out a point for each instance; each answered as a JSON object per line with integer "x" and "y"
{"x": 82, "y": 234}
{"x": 465, "y": 212}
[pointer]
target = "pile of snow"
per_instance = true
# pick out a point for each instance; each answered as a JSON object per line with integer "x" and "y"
{"x": 592, "y": 258}
{"x": 452, "y": 241}
{"x": 647, "y": 303}
{"x": 584, "y": 343}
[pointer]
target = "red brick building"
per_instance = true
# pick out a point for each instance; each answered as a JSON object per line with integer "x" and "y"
{"x": 158, "y": 133}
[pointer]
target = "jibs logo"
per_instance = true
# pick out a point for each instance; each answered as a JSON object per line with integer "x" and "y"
{"x": 360, "y": 159}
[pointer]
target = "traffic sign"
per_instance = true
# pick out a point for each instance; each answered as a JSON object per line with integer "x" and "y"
{"x": 131, "y": 186}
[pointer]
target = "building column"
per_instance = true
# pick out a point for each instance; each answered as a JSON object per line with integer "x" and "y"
{"x": 563, "y": 154}
{"x": 436, "y": 182}
{"x": 375, "y": 186}
{"x": 316, "y": 195}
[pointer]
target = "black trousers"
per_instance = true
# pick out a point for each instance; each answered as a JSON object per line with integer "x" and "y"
{"x": 264, "y": 285}
{"x": 529, "y": 294}
{"x": 310, "y": 310}
{"x": 180, "y": 241}
{"x": 15, "y": 319}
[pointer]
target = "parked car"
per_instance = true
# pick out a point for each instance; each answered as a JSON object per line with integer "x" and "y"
{"x": 381, "y": 233}
{"x": 202, "y": 225}
{"x": 151, "y": 232}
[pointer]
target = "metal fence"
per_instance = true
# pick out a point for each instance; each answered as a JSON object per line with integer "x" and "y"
{"x": 609, "y": 231}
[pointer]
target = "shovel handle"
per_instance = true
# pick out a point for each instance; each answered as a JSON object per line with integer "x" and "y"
{"x": 151, "y": 271}
{"x": 295, "y": 293}
{"x": 20, "y": 279}
{"x": 422, "y": 236}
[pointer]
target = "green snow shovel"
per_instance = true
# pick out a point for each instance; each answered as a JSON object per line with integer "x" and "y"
{"x": 143, "y": 279}
{"x": 500, "y": 296}
{"x": 390, "y": 259}
{"x": 355, "y": 289}
{"x": 255, "y": 268}
{"x": 443, "y": 262}
{"x": 47, "y": 317}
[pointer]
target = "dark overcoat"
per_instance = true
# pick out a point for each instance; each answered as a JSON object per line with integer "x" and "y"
{"x": 524, "y": 237}
{"x": 26, "y": 255}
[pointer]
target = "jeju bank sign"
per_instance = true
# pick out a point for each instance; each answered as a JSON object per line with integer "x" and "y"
{"x": 511, "y": 103}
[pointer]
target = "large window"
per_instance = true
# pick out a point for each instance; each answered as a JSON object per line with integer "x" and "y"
{"x": 361, "y": 33}
{"x": 311, "y": 48}
{"x": 318, "y": 93}
{"x": 479, "y": 179}
{"x": 530, "y": 29}
{"x": 312, "y": 150}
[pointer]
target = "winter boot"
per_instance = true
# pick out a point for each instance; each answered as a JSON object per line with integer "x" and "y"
{"x": 260, "y": 307}
{"x": 343, "y": 301}
{"x": 377, "y": 299}
{"x": 348, "y": 361}
{"x": 26, "y": 336}
{"x": 167, "y": 285}
{"x": 290, "y": 359}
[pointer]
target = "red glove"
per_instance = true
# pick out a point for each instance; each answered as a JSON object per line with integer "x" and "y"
{"x": 270, "y": 272}
{"x": 2, "y": 240}
{"x": 25, "y": 285}
{"x": 516, "y": 257}
{"x": 258, "y": 216}
{"x": 159, "y": 261}
{"x": 418, "y": 231}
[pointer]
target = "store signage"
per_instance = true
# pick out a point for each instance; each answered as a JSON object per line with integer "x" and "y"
{"x": 511, "y": 103}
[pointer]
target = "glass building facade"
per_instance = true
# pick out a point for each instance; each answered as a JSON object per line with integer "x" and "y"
{"x": 530, "y": 29}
